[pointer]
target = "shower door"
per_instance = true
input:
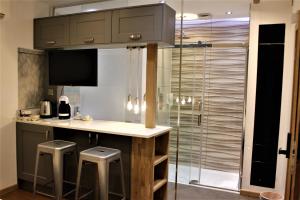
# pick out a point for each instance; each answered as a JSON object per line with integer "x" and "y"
{"x": 208, "y": 114}
{"x": 187, "y": 112}
{"x": 219, "y": 134}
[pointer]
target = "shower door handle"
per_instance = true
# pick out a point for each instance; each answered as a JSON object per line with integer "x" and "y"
{"x": 199, "y": 119}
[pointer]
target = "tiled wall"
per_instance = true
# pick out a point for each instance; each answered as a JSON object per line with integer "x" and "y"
{"x": 214, "y": 77}
{"x": 32, "y": 75}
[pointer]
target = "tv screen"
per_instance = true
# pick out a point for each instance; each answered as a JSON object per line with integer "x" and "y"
{"x": 73, "y": 67}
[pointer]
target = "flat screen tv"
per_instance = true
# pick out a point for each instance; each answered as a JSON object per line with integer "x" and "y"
{"x": 73, "y": 67}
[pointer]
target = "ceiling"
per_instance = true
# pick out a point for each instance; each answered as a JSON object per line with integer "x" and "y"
{"x": 217, "y": 8}
{"x": 59, "y": 3}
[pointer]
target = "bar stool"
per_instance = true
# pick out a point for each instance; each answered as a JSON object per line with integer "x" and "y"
{"x": 101, "y": 156}
{"x": 57, "y": 149}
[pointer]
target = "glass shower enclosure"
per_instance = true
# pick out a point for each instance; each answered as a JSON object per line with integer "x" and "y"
{"x": 201, "y": 92}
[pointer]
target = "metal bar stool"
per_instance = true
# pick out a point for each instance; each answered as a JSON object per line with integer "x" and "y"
{"x": 101, "y": 156}
{"x": 57, "y": 149}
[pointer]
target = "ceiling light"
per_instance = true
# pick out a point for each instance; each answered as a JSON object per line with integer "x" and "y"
{"x": 228, "y": 13}
{"x": 187, "y": 16}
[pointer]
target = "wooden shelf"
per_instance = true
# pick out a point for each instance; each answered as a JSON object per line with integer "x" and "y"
{"x": 159, "y": 158}
{"x": 159, "y": 183}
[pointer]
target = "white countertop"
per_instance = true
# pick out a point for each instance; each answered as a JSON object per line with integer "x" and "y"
{"x": 100, "y": 126}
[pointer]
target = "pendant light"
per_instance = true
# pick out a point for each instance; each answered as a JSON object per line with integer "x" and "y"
{"x": 183, "y": 100}
{"x": 129, "y": 103}
{"x": 189, "y": 100}
{"x": 177, "y": 99}
{"x": 136, "y": 108}
{"x": 144, "y": 105}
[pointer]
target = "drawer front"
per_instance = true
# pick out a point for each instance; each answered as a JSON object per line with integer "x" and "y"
{"x": 90, "y": 28}
{"x": 51, "y": 32}
{"x": 137, "y": 24}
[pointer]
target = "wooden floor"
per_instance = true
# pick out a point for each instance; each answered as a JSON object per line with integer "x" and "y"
{"x": 184, "y": 193}
{"x": 22, "y": 195}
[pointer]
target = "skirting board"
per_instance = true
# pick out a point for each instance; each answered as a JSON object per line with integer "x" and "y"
{"x": 8, "y": 190}
{"x": 249, "y": 193}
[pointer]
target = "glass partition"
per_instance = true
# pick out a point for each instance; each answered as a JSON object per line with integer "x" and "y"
{"x": 206, "y": 99}
{"x": 200, "y": 89}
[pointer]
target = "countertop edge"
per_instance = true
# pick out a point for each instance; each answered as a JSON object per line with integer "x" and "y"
{"x": 161, "y": 131}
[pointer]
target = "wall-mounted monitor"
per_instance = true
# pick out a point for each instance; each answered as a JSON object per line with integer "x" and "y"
{"x": 73, "y": 67}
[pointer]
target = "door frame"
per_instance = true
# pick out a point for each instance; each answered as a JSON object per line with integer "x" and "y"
{"x": 295, "y": 121}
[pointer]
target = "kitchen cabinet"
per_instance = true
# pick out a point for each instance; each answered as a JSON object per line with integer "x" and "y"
{"x": 117, "y": 27}
{"x": 144, "y": 24}
{"x": 28, "y": 137}
{"x": 51, "y": 32}
{"x": 90, "y": 28}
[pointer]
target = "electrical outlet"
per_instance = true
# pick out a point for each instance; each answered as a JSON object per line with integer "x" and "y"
{"x": 50, "y": 92}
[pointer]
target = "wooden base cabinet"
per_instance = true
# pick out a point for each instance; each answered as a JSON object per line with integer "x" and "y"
{"x": 149, "y": 168}
{"x": 28, "y": 137}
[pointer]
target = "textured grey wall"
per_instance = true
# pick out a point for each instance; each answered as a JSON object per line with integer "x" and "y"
{"x": 32, "y": 75}
{"x": 219, "y": 75}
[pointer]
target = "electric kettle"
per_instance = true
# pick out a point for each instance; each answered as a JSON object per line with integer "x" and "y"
{"x": 45, "y": 109}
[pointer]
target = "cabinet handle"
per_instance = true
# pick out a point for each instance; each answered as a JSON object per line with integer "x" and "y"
{"x": 89, "y": 40}
{"x": 51, "y": 42}
{"x": 136, "y": 36}
{"x": 47, "y": 135}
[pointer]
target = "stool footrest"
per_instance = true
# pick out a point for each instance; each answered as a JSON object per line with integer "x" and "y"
{"x": 85, "y": 195}
{"x": 44, "y": 194}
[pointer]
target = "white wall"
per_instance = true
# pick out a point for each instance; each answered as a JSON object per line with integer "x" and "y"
{"x": 16, "y": 30}
{"x": 116, "y": 74}
{"x": 120, "y": 72}
{"x": 269, "y": 13}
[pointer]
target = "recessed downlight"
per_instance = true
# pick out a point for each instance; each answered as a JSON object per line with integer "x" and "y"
{"x": 228, "y": 13}
{"x": 187, "y": 16}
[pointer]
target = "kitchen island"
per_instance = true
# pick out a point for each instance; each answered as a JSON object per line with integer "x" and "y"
{"x": 144, "y": 152}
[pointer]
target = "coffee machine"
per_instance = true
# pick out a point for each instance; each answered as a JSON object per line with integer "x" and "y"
{"x": 64, "y": 109}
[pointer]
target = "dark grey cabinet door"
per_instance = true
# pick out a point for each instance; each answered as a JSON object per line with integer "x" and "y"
{"x": 28, "y": 137}
{"x": 90, "y": 28}
{"x": 141, "y": 24}
{"x": 51, "y": 32}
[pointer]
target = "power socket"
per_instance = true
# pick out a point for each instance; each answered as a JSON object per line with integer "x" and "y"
{"x": 50, "y": 92}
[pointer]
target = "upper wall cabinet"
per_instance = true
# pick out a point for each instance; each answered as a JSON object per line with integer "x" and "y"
{"x": 144, "y": 24}
{"x": 51, "y": 32}
{"x": 90, "y": 28}
{"x": 140, "y": 24}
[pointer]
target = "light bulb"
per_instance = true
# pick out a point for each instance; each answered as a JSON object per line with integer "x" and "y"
{"x": 136, "y": 107}
{"x": 189, "y": 100}
{"x": 183, "y": 101}
{"x": 129, "y": 103}
{"x": 144, "y": 104}
{"x": 177, "y": 99}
